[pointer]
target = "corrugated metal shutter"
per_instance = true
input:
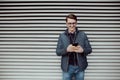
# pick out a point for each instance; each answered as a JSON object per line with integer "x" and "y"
{"x": 29, "y": 32}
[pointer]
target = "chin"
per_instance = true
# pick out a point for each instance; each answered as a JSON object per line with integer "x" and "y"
{"x": 72, "y": 30}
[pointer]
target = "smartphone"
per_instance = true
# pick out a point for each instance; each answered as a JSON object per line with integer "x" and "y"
{"x": 75, "y": 44}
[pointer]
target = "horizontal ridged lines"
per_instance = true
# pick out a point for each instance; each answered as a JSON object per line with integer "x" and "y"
{"x": 29, "y": 32}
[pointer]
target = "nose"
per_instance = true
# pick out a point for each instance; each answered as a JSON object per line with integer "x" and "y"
{"x": 72, "y": 25}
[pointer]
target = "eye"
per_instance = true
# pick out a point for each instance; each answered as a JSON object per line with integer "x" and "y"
{"x": 71, "y": 23}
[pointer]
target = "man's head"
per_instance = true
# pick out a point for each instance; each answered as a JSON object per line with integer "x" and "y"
{"x": 71, "y": 22}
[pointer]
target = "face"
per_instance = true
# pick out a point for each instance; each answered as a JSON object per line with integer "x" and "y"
{"x": 71, "y": 25}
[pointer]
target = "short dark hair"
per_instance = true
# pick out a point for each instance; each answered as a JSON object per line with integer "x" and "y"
{"x": 71, "y": 16}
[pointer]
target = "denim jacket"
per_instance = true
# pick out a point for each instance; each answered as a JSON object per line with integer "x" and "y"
{"x": 61, "y": 50}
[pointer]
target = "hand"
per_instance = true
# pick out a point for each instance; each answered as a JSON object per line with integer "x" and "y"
{"x": 78, "y": 49}
{"x": 71, "y": 48}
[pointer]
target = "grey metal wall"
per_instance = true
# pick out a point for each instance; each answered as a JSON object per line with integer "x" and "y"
{"x": 29, "y": 32}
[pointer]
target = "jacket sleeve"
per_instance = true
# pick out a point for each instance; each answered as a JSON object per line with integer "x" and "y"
{"x": 87, "y": 47}
{"x": 61, "y": 49}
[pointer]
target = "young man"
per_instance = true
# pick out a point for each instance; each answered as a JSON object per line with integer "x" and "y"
{"x": 73, "y": 45}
